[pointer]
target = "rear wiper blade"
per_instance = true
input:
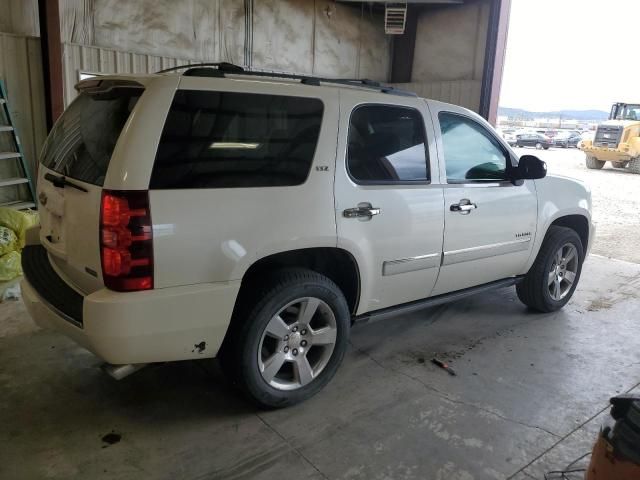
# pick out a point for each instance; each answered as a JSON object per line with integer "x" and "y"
{"x": 61, "y": 182}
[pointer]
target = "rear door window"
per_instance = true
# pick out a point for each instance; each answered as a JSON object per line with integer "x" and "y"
{"x": 229, "y": 140}
{"x": 82, "y": 141}
{"x": 387, "y": 144}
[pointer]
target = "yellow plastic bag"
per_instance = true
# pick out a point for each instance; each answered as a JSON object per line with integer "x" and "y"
{"x": 8, "y": 240}
{"x": 10, "y": 266}
{"x": 18, "y": 221}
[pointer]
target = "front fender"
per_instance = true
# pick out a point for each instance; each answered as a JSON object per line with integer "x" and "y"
{"x": 560, "y": 197}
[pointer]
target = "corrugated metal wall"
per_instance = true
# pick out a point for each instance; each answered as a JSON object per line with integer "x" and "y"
{"x": 19, "y": 17}
{"x": 465, "y": 93}
{"x": 21, "y": 70}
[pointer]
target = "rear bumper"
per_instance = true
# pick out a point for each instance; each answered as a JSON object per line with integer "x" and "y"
{"x": 160, "y": 325}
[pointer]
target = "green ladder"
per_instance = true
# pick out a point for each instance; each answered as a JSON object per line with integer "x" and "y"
{"x": 13, "y": 156}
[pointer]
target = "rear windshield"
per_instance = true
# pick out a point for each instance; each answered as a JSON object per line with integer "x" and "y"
{"x": 82, "y": 140}
{"x": 226, "y": 140}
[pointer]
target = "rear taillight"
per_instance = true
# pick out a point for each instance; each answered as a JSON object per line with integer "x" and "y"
{"x": 126, "y": 240}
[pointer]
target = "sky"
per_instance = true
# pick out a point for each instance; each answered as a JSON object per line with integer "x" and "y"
{"x": 572, "y": 54}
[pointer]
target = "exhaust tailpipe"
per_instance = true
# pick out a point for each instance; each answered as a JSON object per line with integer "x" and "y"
{"x": 121, "y": 371}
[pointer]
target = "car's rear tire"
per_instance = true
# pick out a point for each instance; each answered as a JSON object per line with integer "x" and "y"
{"x": 539, "y": 146}
{"x": 546, "y": 148}
{"x": 290, "y": 334}
{"x": 554, "y": 275}
{"x": 619, "y": 164}
{"x": 593, "y": 163}
{"x": 634, "y": 165}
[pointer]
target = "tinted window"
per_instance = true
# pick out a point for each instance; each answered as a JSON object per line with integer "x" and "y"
{"x": 470, "y": 152}
{"x": 226, "y": 140}
{"x": 387, "y": 144}
{"x": 82, "y": 140}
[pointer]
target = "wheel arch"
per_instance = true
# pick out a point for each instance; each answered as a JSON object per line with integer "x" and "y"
{"x": 335, "y": 263}
{"x": 576, "y": 219}
{"x": 576, "y": 222}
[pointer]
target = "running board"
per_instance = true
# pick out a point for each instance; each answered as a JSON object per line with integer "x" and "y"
{"x": 434, "y": 301}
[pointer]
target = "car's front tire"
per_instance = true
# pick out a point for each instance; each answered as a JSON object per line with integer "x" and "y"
{"x": 554, "y": 275}
{"x": 288, "y": 338}
{"x": 619, "y": 164}
{"x": 539, "y": 146}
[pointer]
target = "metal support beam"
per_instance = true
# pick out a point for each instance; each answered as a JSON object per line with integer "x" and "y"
{"x": 494, "y": 59}
{"x": 51, "y": 59}
{"x": 403, "y": 48}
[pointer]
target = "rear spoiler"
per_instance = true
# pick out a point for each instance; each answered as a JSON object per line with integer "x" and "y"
{"x": 96, "y": 85}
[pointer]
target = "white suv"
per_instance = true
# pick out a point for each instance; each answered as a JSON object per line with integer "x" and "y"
{"x": 255, "y": 217}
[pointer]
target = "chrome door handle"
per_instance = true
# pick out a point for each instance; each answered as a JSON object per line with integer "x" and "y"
{"x": 362, "y": 210}
{"x": 464, "y": 207}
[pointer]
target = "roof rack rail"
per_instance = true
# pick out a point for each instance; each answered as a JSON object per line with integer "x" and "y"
{"x": 219, "y": 69}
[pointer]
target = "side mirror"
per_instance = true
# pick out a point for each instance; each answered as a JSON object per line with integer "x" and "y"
{"x": 530, "y": 167}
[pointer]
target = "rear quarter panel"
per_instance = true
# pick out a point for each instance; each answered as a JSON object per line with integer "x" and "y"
{"x": 132, "y": 160}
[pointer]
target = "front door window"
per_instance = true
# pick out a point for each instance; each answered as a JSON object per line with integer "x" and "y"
{"x": 471, "y": 154}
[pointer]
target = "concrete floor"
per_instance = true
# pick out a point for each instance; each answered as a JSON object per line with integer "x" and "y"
{"x": 526, "y": 399}
{"x": 529, "y": 397}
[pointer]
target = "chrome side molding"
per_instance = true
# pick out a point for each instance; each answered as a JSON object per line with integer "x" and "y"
{"x": 410, "y": 264}
{"x": 485, "y": 251}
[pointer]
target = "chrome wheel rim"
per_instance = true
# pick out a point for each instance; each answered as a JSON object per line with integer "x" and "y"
{"x": 563, "y": 272}
{"x": 297, "y": 343}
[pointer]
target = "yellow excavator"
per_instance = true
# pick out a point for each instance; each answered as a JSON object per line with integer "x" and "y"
{"x": 617, "y": 140}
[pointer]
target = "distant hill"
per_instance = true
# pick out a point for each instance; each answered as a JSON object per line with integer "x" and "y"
{"x": 584, "y": 115}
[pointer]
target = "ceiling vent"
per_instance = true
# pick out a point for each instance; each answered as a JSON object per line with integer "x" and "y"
{"x": 395, "y": 18}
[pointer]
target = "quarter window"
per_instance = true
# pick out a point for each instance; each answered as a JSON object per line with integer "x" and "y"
{"x": 387, "y": 145}
{"x": 471, "y": 153}
{"x": 228, "y": 140}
